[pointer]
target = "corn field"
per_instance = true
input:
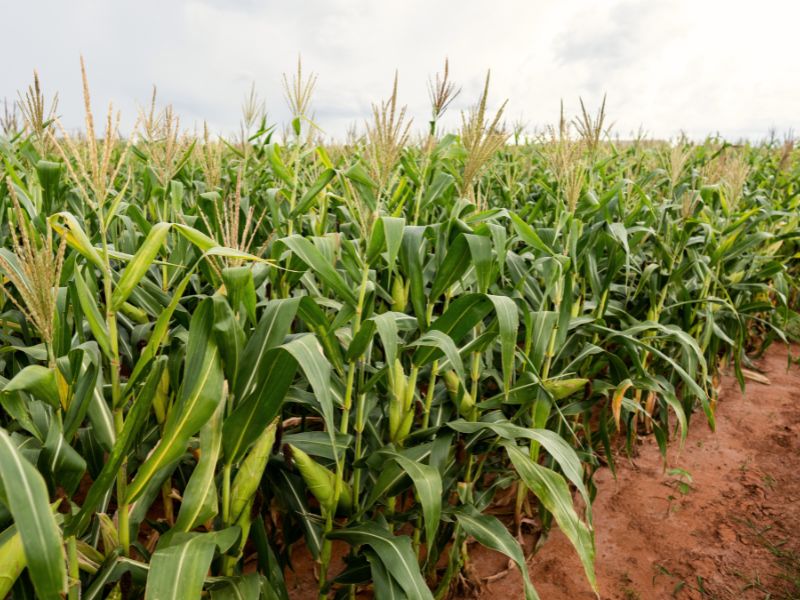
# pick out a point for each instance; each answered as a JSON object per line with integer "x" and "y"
{"x": 216, "y": 349}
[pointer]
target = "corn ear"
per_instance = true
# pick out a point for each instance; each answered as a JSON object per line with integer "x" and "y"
{"x": 408, "y": 407}
{"x": 564, "y": 388}
{"x": 399, "y": 293}
{"x": 249, "y": 475}
{"x": 397, "y": 399}
{"x": 321, "y": 482}
{"x": 463, "y": 399}
{"x": 12, "y": 559}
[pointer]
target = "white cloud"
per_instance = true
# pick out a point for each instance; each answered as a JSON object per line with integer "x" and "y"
{"x": 702, "y": 66}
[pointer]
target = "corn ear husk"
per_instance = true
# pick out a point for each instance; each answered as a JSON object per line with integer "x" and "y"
{"x": 321, "y": 482}
{"x": 408, "y": 407}
{"x": 399, "y": 293}
{"x": 12, "y": 559}
{"x": 397, "y": 399}
{"x": 564, "y": 388}
{"x": 463, "y": 399}
{"x": 251, "y": 470}
{"x": 161, "y": 398}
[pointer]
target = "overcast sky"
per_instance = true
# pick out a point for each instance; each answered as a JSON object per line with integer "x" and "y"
{"x": 700, "y": 66}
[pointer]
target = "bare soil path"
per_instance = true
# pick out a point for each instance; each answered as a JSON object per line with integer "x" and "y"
{"x": 732, "y": 531}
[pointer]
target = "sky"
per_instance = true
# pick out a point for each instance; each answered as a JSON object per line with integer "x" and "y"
{"x": 694, "y": 66}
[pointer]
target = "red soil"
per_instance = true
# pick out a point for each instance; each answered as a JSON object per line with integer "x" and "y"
{"x": 732, "y": 533}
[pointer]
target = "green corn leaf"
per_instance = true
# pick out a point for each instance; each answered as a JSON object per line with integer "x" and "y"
{"x": 262, "y": 380}
{"x": 395, "y": 553}
{"x": 314, "y": 260}
{"x": 27, "y": 499}
{"x": 178, "y": 571}
{"x": 60, "y": 461}
{"x": 313, "y": 191}
{"x": 134, "y": 421}
{"x": 139, "y": 264}
{"x": 386, "y": 325}
{"x": 252, "y": 586}
{"x": 508, "y": 320}
{"x": 272, "y": 329}
{"x": 529, "y": 236}
{"x": 100, "y": 416}
{"x": 490, "y": 532}
{"x": 387, "y": 235}
{"x": 542, "y": 324}
{"x": 480, "y": 249}
{"x": 441, "y": 183}
{"x": 411, "y": 265}
{"x": 112, "y": 571}
{"x": 391, "y": 474}
{"x": 460, "y": 317}
{"x": 317, "y": 443}
{"x": 83, "y": 388}
{"x": 157, "y": 336}
{"x": 455, "y": 264}
{"x": 97, "y": 323}
{"x": 246, "y": 422}
{"x": 199, "y": 397}
{"x": 386, "y": 586}
{"x": 308, "y": 354}
{"x": 318, "y": 323}
{"x": 37, "y": 380}
{"x": 200, "y": 496}
{"x": 553, "y": 492}
{"x": 240, "y": 289}
{"x": 560, "y": 450}
{"x": 76, "y": 237}
{"x": 49, "y": 174}
{"x": 428, "y": 484}
{"x": 273, "y": 152}
{"x": 291, "y": 488}
{"x": 230, "y": 337}
{"x": 211, "y": 247}
{"x": 444, "y": 343}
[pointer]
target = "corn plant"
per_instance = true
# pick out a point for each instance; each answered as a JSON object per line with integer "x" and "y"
{"x": 214, "y": 350}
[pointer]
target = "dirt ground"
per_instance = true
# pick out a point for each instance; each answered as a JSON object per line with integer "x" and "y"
{"x": 726, "y": 525}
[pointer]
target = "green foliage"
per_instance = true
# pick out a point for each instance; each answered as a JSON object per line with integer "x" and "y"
{"x": 256, "y": 343}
